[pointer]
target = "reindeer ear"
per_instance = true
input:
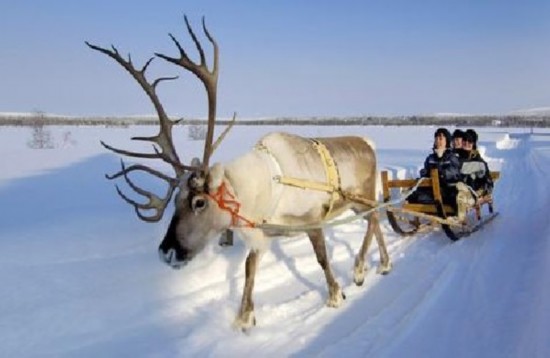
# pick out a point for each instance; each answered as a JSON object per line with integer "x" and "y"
{"x": 215, "y": 176}
{"x": 196, "y": 162}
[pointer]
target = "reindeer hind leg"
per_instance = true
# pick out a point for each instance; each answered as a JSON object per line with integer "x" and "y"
{"x": 385, "y": 263}
{"x": 373, "y": 229}
{"x": 318, "y": 242}
{"x": 360, "y": 266}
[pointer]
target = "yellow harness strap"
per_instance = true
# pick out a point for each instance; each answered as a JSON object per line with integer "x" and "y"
{"x": 332, "y": 186}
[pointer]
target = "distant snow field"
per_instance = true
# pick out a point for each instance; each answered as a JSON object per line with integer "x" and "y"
{"x": 80, "y": 275}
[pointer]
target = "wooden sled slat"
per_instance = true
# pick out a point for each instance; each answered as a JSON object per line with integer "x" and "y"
{"x": 427, "y": 208}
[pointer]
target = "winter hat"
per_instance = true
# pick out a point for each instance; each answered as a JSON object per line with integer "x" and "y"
{"x": 458, "y": 133}
{"x": 471, "y": 136}
{"x": 445, "y": 133}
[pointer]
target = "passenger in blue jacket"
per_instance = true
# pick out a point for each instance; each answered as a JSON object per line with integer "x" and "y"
{"x": 447, "y": 163}
{"x": 443, "y": 159}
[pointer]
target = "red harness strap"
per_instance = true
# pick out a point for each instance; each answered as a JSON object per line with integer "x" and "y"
{"x": 226, "y": 201}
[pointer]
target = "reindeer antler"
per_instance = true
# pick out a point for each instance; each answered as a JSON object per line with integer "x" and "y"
{"x": 163, "y": 139}
{"x": 208, "y": 77}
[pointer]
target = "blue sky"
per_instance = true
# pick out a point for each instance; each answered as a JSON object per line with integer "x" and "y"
{"x": 282, "y": 58}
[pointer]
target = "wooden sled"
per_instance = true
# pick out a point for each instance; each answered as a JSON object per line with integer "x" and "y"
{"x": 410, "y": 218}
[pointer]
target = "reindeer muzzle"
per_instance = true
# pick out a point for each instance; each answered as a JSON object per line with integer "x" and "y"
{"x": 170, "y": 258}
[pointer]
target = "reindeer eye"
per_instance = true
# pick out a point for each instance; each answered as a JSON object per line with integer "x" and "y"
{"x": 198, "y": 203}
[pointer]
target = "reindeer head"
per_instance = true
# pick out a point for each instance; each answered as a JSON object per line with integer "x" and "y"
{"x": 197, "y": 218}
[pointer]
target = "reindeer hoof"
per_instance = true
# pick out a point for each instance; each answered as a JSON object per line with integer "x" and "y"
{"x": 359, "y": 273}
{"x": 359, "y": 276}
{"x": 336, "y": 299}
{"x": 244, "y": 322}
{"x": 384, "y": 269}
{"x": 226, "y": 238}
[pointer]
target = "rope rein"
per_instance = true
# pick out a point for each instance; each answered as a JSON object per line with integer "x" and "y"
{"x": 347, "y": 220}
{"x": 227, "y": 202}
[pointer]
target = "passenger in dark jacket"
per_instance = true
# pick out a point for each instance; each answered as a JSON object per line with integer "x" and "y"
{"x": 443, "y": 159}
{"x": 447, "y": 163}
{"x": 474, "y": 170}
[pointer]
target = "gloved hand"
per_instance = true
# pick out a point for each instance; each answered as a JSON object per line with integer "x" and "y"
{"x": 460, "y": 186}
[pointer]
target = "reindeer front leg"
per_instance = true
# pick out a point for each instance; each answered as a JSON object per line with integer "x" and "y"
{"x": 246, "y": 318}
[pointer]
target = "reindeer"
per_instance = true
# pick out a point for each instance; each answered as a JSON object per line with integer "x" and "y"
{"x": 285, "y": 183}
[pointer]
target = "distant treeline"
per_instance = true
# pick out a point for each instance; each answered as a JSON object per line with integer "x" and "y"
{"x": 475, "y": 121}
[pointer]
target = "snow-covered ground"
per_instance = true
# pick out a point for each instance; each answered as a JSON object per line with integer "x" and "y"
{"x": 80, "y": 275}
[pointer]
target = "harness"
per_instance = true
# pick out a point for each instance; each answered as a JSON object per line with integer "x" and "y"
{"x": 227, "y": 201}
{"x": 332, "y": 185}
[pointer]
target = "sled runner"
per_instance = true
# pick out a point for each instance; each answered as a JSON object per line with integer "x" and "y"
{"x": 408, "y": 218}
